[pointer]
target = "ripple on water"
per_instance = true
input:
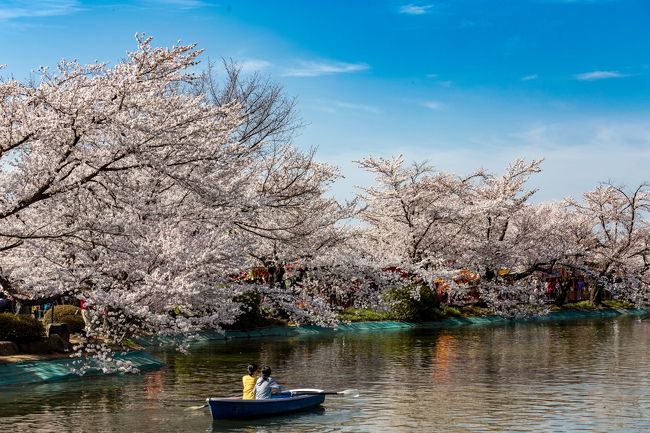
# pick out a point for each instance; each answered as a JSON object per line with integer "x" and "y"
{"x": 591, "y": 376}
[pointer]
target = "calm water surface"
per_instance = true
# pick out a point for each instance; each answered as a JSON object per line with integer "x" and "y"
{"x": 571, "y": 377}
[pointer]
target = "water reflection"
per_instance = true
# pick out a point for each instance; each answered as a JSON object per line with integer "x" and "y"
{"x": 587, "y": 376}
{"x": 284, "y": 423}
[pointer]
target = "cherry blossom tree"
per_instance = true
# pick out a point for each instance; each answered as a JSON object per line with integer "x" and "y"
{"x": 493, "y": 203}
{"x": 441, "y": 229}
{"x": 296, "y": 227}
{"x": 293, "y": 224}
{"x": 148, "y": 190}
{"x": 121, "y": 187}
{"x": 412, "y": 214}
{"x": 413, "y": 222}
{"x": 617, "y": 250}
{"x": 109, "y": 174}
{"x": 499, "y": 237}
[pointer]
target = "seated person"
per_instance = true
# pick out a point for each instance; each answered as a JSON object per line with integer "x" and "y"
{"x": 265, "y": 385}
{"x": 249, "y": 383}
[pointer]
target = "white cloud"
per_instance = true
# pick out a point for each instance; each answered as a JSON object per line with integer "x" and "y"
{"x": 529, "y": 77}
{"x": 413, "y": 9}
{"x": 334, "y": 106}
{"x": 578, "y": 155}
{"x": 432, "y": 75}
{"x": 433, "y": 105}
{"x": 253, "y": 65}
{"x": 185, "y": 4}
{"x": 315, "y": 69}
{"x": 13, "y": 9}
{"x": 599, "y": 75}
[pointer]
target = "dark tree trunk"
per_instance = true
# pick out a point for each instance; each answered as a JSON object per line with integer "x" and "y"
{"x": 276, "y": 273}
{"x": 596, "y": 296}
{"x": 563, "y": 291}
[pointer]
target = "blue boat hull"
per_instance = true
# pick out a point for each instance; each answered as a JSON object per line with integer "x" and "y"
{"x": 236, "y": 408}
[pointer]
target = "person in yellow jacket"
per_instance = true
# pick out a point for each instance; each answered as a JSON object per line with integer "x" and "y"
{"x": 249, "y": 382}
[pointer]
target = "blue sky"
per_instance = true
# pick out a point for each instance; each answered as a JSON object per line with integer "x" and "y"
{"x": 461, "y": 83}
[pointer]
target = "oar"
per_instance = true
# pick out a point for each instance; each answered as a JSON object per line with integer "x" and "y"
{"x": 346, "y": 392}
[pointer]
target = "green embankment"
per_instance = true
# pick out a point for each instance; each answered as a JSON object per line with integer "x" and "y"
{"x": 52, "y": 370}
{"x": 20, "y": 373}
{"x": 296, "y": 331}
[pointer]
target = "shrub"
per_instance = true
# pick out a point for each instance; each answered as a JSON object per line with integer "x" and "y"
{"x": 448, "y": 311}
{"x": 20, "y": 328}
{"x": 616, "y": 303}
{"x": 582, "y": 305}
{"x": 404, "y": 307}
{"x": 363, "y": 315}
{"x": 69, "y": 314}
{"x": 474, "y": 311}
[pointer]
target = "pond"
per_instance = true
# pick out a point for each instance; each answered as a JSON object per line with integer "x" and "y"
{"x": 552, "y": 377}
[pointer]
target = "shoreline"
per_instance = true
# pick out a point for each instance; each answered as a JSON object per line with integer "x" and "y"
{"x": 307, "y": 330}
{"x": 32, "y": 369}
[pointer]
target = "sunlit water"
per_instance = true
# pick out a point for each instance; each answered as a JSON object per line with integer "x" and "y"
{"x": 570, "y": 377}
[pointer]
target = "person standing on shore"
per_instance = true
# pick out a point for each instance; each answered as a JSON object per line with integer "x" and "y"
{"x": 248, "y": 381}
{"x": 5, "y": 304}
{"x": 85, "y": 314}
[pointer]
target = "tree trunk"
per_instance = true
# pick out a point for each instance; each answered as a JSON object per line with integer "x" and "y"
{"x": 563, "y": 291}
{"x": 276, "y": 273}
{"x": 596, "y": 295}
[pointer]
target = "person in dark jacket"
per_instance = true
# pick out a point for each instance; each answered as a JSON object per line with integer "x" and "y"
{"x": 5, "y": 304}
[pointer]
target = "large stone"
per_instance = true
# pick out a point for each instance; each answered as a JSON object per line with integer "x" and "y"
{"x": 8, "y": 348}
{"x": 39, "y": 347}
{"x": 58, "y": 344}
{"x": 61, "y": 329}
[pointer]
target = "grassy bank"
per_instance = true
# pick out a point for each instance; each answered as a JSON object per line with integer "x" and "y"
{"x": 469, "y": 311}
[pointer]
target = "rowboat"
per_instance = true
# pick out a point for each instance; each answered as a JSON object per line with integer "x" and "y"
{"x": 279, "y": 404}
